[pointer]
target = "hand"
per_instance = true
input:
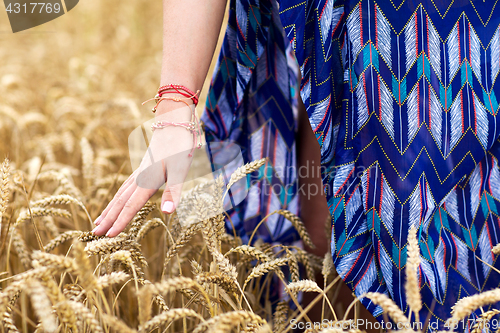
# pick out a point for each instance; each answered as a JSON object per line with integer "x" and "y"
{"x": 166, "y": 161}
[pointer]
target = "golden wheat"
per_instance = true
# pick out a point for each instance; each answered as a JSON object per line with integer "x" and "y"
{"x": 465, "y": 306}
{"x": 42, "y": 305}
{"x": 388, "y": 306}
{"x": 412, "y": 266}
{"x": 4, "y": 188}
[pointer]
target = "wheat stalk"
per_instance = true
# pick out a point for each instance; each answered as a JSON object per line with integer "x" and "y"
{"x": 168, "y": 317}
{"x": 88, "y": 167}
{"x": 220, "y": 279}
{"x": 111, "y": 279}
{"x": 264, "y": 268}
{"x": 249, "y": 251}
{"x": 298, "y": 225}
{"x": 280, "y": 316}
{"x": 64, "y": 237}
{"x": 483, "y": 320}
{"x": 148, "y": 226}
{"x": 41, "y": 211}
{"x": 244, "y": 170}
{"x": 388, "y": 306}
{"x": 42, "y": 305}
{"x": 412, "y": 265}
{"x": 4, "y": 188}
{"x": 84, "y": 314}
{"x": 465, "y": 306}
{"x": 116, "y": 324}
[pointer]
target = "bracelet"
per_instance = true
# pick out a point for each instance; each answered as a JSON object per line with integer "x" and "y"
{"x": 193, "y": 126}
{"x": 180, "y": 90}
{"x": 177, "y": 89}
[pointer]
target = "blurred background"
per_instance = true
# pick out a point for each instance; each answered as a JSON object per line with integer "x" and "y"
{"x": 81, "y": 76}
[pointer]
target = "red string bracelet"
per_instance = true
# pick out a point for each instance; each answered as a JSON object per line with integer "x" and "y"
{"x": 193, "y": 126}
{"x": 176, "y": 88}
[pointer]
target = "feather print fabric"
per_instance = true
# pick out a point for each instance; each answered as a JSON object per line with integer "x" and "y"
{"x": 401, "y": 96}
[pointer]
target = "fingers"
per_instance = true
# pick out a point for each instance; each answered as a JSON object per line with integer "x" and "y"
{"x": 177, "y": 172}
{"x": 136, "y": 201}
{"x": 117, "y": 205}
{"x": 130, "y": 180}
{"x": 130, "y": 199}
{"x": 170, "y": 198}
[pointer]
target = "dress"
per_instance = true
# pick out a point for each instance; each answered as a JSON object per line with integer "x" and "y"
{"x": 402, "y": 98}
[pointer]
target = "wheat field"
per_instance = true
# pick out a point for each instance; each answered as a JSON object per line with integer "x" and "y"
{"x": 71, "y": 93}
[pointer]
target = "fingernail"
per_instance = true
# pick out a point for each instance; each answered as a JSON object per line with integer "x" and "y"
{"x": 93, "y": 230}
{"x": 109, "y": 231}
{"x": 98, "y": 220}
{"x": 168, "y": 207}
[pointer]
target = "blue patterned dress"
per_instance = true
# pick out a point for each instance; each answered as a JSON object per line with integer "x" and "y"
{"x": 401, "y": 96}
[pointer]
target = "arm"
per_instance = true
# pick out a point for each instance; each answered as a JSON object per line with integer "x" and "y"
{"x": 190, "y": 32}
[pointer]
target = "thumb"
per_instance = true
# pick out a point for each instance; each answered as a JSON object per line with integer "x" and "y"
{"x": 173, "y": 188}
{"x": 171, "y": 197}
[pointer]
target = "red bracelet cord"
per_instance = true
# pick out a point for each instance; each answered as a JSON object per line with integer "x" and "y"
{"x": 193, "y": 126}
{"x": 176, "y": 88}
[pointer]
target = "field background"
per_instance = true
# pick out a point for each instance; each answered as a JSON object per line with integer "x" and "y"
{"x": 70, "y": 94}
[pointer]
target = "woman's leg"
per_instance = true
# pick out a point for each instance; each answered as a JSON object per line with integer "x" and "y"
{"x": 314, "y": 211}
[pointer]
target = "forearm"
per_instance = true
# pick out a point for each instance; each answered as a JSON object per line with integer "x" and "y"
{"x": 190, "y": 32}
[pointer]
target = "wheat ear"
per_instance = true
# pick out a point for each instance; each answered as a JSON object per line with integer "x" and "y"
{"x": 168, "y": 317}
{"x": 183, "y": 239}
{"x": 298, "y": 225}
{"x": 42, "y": 305}
{"x": 244, "y": 170}
{"x": 88, "y": 167}
{"x": 280, "y": 316}
{"x": 117, "y": 324}
{"x": 467, "y": 305}
{"x": 483, "y": 320}
{"x": 228, "y": 320}
{"x": 225, "y": 321}
{"x": 264, "y": 268}
{"x": 412, "y": 265}
{"x": 41, "y": 211}
{"x": 388, "y": 306}
{"x": 85, "y": 315}
{"x": 148, "y": 226}
{"x": 64, "y": 237}
{"x": 249, "y": 251}
{"x": 4, "y": 188}
{"x": 111, "y": 278}
{"x": 327, "y": 268}
{"x": 220, "y": 279}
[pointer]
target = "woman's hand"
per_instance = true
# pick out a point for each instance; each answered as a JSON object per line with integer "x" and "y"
{"x": 166, "y": 161}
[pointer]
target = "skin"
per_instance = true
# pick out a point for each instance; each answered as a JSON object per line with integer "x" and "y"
{"x": 188, "y": 48}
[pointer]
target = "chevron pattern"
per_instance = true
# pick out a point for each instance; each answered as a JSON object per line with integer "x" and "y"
{"x": 402, "y": 97}
{"x": 418, "y": 146}
{"x": 253, "y": 102}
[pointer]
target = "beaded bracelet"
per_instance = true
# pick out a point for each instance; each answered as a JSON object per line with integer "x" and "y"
{"x": 193, "y": 126}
